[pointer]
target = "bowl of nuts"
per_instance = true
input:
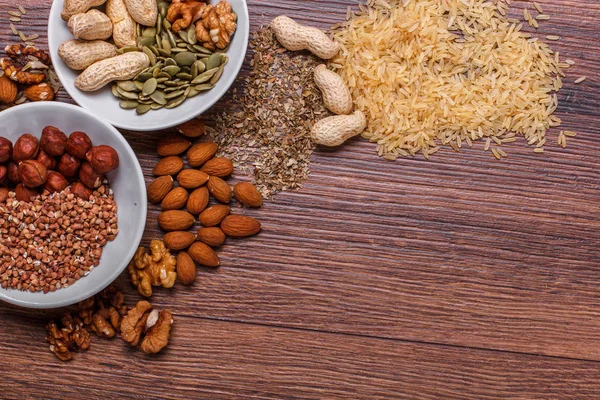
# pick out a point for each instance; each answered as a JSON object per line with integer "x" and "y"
{"x": 147, "y": 65}
{"x": 72, "y": 204}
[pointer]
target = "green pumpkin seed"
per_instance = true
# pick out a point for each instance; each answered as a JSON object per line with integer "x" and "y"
{"x": 171, "y": 86}
{"x": 224, "y": 59}
{"x": 203, "y": 87}
{"x": 171, "y": 37}
{"x": 204, "y": 60}
{"x": 115, "y": 93}
{"x": 127, "y": 49}
{"x": 154, "y": 50}
{"x": 163, "y": 8}
{"x": 172, "y": 95}
{"x": 138, "y": 85}
{"x": 155, "y": 73}
{"x": 217, "y": 75}
{"x": 191, "y": 35}
{"x": 148, "y": 41}
{"x": 128, "y": 104}
{"x": 172, "y": 70}
{"x": 127, "y": 85}
{"x": 182, "y": 45}
{"x": 170, "y": 61}
{"x": 201, "y": 66}
{"x": 183, "y": 35}
{"x": 193, "y": 93}
{"x": 150, "y": 55}
{"x": 155, "y": 106}
{"x": 149, "y": 32}
{"x": 194, "y": 71}
{"x": 187, "y": 91}
{"x": 164, "y": 53}
{"x": 159, "y": 97}
{"x": 177, "y": 50}
{"x": 175, "y": 102}
{"x": 201, "y": 49}
{"x": 183, "y": 84}
{"x": 163, "y": 74}
{"x": 160, "y": 86}
{"x": 147, "y": 101}
{"x": 166, "y": 45}
{"x": 162, "y": 79}
{"x": 149, "y": 86}
{"x": 138, "y": 30}
{"x": 127, "y": 95}
{"x": 213, "y": 61}
{"x": 185, "y": 76}
{"x": 142, "y": 109}
{"x": 144, "y": 76}
{"x": 158, "y": 40}
{"x": 205, "y": 76}
{"x": 166, "y": 25}
{"x": 159, "y": 24}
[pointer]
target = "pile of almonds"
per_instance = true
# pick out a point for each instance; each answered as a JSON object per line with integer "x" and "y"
{"x": 186, "y": 198}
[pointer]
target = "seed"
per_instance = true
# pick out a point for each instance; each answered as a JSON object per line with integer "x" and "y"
{"x": 184, "y": 76}
{"x": 162, "y": 79}
{"x": 155, "y": 73}
{"x": 28, "y": 43}
{"x": 177, "y": 50}
{"x": 193, "y": 92}
{"x": 542, "y": 17}
{"x": 217, "y": 75}
{"x": 144, "y": 42}
{"x": 127, "y": 49}
{"x": 191, "y": 35}
{"x": 14, "y": 14}
{"x": 20, "y": 100}
{"x": 159, "y": 24}
{"x": 150, "y": 55}
{"x": 185, "y": 58}
{"x": 553, "y": 37}
{"x": 171, "y": 86}
{"x": 204, "y": 86}
{"x": 138, "y": 30}
{"x": 154, "y": 50}
{"x": 579, "y": 80}
{"x": 205, "y": 76}
{"x": 201, "y": 66}
{"x": 126, "y": 94}
{"x": 201, "y": 49}
{"x": 33, "y": 37}
{"x": 14, "y": 30}
{"x": 159, "y": 97}
{"x": 172, "y": 70}
{"x": 113, "y": 88}
{"x": 174, "y": 94}
{"x": 127, "y": 85}
{"x": 187, "y": 91}
{"x": 128, "y": 104}
{"x": 182, "y": 45}
{"x": 142, "y": 109}
{"x": 170, "y": 61}
{"x": 166, "y": 25}
{"x": 194, "y": 71}
{"x": 213, "y": 61}
{"x": 22, "y": 36}
{"x": 149, "y": 87}
{"x": 149, "y": 32}
{"x": 183, "y": 35}
{"x": 23, "y": 10}
{"x": 14, "y": 19}
{"x": 175, "y": 102}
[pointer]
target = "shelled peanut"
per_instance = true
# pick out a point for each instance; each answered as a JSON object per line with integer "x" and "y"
{"x": 185, "y": 201}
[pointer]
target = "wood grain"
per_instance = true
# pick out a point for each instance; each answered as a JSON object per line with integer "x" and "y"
{"x": 380, "y": 279}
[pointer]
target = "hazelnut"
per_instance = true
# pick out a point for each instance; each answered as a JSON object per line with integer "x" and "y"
{"x": 103, "y": 158}
{"x": 13, "y": 173}
{"x": 32, "y": 173}
{"x": 23, "y": 193}
{"x": 26, "y": 148}
{"x": 79, "y": 190}
{"x": 53, "y": 141}
{"x": 3, "y": 194}
{"x": 47, "y": 161}
{"x": 3, "y": 173}
{"x": 88, "y": 177}
{"x": 55, "y": 182}
{"x": 6, "y": 148}
{"x": 69, "y": 165}
{"x": 79, "y": 144}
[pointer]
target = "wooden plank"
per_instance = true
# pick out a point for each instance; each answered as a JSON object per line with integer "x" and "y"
{"x": 222, "y": 360}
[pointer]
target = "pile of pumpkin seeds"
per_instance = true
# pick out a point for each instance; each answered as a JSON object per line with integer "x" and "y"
{"x": 179, "y": 68}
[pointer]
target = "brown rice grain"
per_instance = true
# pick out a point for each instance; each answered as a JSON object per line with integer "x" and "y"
{"x": 579, "y": 80}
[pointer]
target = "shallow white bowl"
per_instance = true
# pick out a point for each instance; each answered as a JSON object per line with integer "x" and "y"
{"x": 105, "y": 105}
{"x": 127, "y": 183}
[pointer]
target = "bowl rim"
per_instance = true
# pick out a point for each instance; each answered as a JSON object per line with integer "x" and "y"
{"x": 140, "y": 228}
{"x": 158, "y": 123}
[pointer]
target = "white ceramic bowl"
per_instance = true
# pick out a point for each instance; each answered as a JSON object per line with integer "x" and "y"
{"x": 127, "y": 183}
{"x": 105, "y": 105}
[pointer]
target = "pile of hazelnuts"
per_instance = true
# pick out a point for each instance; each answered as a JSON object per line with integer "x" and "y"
{"x": 32, "y": 166}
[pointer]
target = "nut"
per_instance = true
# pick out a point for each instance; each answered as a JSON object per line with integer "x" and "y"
{"x": 72, "y": 7}
{"x": 198, "y": 200}
{"x": 47, "y": 161}
{"x": 213, "y": 216}
{"x": 103, "y": 159}
{"x": 154, "y": 269}
{"x": 218, "y": 166}
{"x": 78, "y": 144}
{"x": 203, "y": 255}
{"x": 26, "y": 148}
{"x": 79, "y": 190}
{"x": 200, "y": 153}
{"x": 121, "y": 67}
{"x": 8, "y": 90}
{"x": 175, "y": 199}
{"x": 102, "y": 327}
{"x": 144, "y": 12}
{"x": 133, "y": 324}
{"x": 294, "y": 36}
{"x": 171, "y": 165}
{"x": 124, "y": 27}
{"x": 192, "y": 178}
{"x": 175, "y": 220}
{"x": 172, "y": 146}
{"x": 186, "y": 268}
{"x": 53, "y": 141}
{"x": 91, "y": 25}
{"x": 157, "y": 335}
{"x": 214, "y": 237}
{"x": 178, "y": 240}
{"x": 336, "y": 95}
{"x": 159, "y": 188}
{"x": 32, "y": 173}
{"x": 193, "y": 128}
{"x": 89, "y": 177}
{"x": 23, "y": 193}
{"x": 219, "y": 189}
{"x": 6, "y": 149}
{"x": 247, "y": 194}
{"x": 55, "y": 182}
{"x": 3, "y": 173}
{"x": 3, "y": 194}
{"x": 80, "y": 54}
{"x": 40, "y": 92}
{"x": 240, "y": 226}
{"x": 69, "y": 165}
{"x": 13, "y": 173}
{"x": 334, "y": 131}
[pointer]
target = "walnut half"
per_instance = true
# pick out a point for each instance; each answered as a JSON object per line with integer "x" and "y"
{"x": 157, "y": 334}
{"x": 152, "y": 325}
{"x": 154, "y": 269}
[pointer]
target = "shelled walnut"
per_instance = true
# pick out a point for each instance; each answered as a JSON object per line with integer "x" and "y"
{"x": 151, "y": 327}
{"x": 154, "y": 269}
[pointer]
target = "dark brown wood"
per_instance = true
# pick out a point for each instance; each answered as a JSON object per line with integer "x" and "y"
{"x": 378, "y": 279}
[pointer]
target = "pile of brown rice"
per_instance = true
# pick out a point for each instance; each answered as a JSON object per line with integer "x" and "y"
{"x": 427, "y": 72}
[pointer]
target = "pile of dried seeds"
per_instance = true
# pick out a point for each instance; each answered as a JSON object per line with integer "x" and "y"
{"x": 269, "y": 136}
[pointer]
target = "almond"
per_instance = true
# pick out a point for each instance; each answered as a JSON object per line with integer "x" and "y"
{"x": 172, "y": 146}
{"x": 240, "y": 226}
{"x": 158, "y": 189}
{"x": 8, "y": 90}
{"x": 175, "y": 199}
{"x": 201, "y": 153}
{"x": 193, "y": 128}
{"x": 179, "y": 240}
{"x": 213, "y": 216}
{"x": 198, "y": 200}
{"x": 168, "y": 166}
{"x": 186, "y": 268}
{"x": 213, "y": 237}
{"x": 39, "y": 92}
{"x": 175, "y": 220}
{"x": 203, "y": 255}
{"x": 219, "y": 189}
{"x": 218, "y": 166}
{"x": 192, "y": 178}
{"x": 247, "y": 194}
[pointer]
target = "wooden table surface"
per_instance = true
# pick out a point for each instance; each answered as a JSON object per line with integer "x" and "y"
{"x": 459, "y": 277}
